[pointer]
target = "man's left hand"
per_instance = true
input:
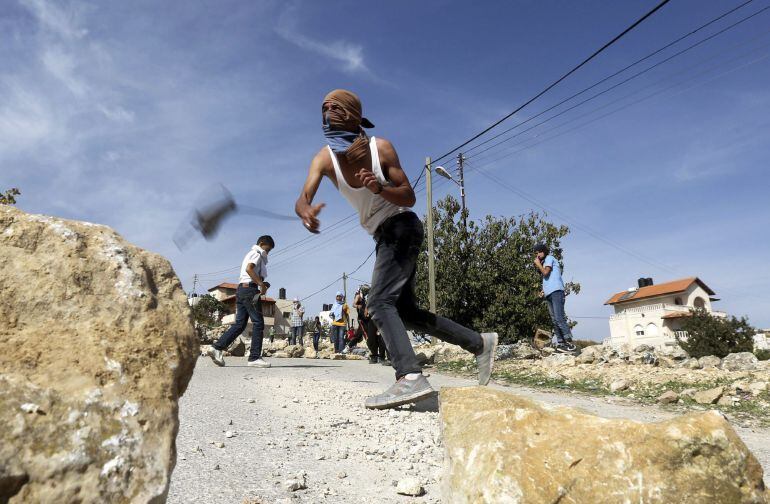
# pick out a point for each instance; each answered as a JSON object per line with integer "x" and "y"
{"x": 369, "y": 181}
{"x": 537, "y": 261}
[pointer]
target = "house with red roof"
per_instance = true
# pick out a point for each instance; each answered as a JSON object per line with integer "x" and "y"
{"x": 652, "y": 314}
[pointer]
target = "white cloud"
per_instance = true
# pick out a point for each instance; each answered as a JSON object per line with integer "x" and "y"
{"x": 350, "y": 55}
{"x": 55, "y": 18}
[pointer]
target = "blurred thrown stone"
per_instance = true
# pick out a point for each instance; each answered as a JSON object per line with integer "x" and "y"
{"x": 103, "y": 347}
{"x": 742, "y": 361}
{"x": 410, "y": 486}
{"x": 520, "y": 451}
{"x": 709, "y": 396}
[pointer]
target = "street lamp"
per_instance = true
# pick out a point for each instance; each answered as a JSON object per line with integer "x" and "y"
{"x": 461, "y": 183}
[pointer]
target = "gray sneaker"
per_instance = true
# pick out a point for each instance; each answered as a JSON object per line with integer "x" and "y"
{"x": 402, "y": 392}
{"x": 216, "y": 356}
{"x": 486, "y": 358}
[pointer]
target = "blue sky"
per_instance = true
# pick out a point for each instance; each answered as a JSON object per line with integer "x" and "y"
{"x": 123, "y": 113}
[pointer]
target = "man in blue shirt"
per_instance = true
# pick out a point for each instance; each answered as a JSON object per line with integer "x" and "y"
{"x": 553, "y": 290}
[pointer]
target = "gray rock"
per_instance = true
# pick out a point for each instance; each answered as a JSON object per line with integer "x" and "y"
{"x": 619, "y": 386}
{"x": 237, "y": 348}
{"x": 644, "y": 348}
{"x": 692, "y": 364}
{"x": 668, "y": 397}
{"x": 666, "y": 361}
{"x": 410, "y": 486}
{"x": 709, "y": 396}
{"x": 709, "y": 361}
{"x": 742, "y": 361}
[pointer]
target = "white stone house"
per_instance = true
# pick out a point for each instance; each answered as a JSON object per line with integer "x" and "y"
{"x": 652, "y": 314}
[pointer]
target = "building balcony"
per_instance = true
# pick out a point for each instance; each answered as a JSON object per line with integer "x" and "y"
{"x": 657, "y": 307}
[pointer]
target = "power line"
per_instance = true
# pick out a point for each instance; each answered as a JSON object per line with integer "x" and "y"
{"x": 488, "y": 162}
{"x": 605, "y": 79}
{"x": 560, "y": 79}
{"x": 614, "y": 86}
{"x": 339, "y": 278}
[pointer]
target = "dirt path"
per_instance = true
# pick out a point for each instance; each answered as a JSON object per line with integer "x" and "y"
{"x": 307, "y": 416}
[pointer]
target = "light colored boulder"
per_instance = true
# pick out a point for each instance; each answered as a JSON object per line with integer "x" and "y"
{"x": 675, "y": 352}
{"x": 758, "y": 387}
{"x": 742, "y": 361}
{"x": 559, "y": 360}
{"x": 644, "y": 358}
{"x": 644, "y": 348}
{"x": 542, "y": 339}
{"x": 501, "y": 448}
{"x": 709, "y": 361}
{"x": 665, "y": 361}
{"x": 425, "y": 354}
{"x": 709, "y": 396}
{"x": 410, "y": 486}
{"x": 692, "y": 364}
{"x": 98, "y": 347}
{"x": 726, "y": 400}
{"x": 619, "y": 386}
{"x": 668, "y": 397}
{"x": 446, "y": 352}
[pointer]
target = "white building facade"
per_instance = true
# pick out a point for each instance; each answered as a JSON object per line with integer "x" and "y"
{"x": 653, "y": 314}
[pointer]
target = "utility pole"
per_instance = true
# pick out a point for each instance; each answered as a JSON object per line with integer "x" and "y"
{"x": 460, "y": 160}
{"x": 345, "y": 285}
{"x": 431, "y": 254}
{"x": 195, "y": 282}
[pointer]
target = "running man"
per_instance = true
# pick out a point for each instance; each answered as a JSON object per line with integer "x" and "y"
{"x": 251, "y": 286}
{"x": 553, "y": 290}
{"x": 367, "y": 173}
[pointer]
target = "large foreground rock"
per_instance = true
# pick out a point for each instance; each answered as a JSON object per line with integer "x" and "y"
{"x": 501, "y": 448}
{"x": 97, "y": 348}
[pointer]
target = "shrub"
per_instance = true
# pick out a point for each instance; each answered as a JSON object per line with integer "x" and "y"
{"x": 206, "y": 311}
{"x": 762, "y": 354}
{"x": 710, "y": 335}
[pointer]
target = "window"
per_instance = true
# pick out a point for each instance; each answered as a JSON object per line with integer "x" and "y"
{"x": 286, "y": 315}
{"x": 639, "y": 330}
{"x": 267, "y": 309}
{"x": 699, "y": 302}
{"x": 652, "y": 329}
{"x": 678, "y": 301}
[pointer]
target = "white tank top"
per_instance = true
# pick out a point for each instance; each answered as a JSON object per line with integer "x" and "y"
{"x": 372, "y": 208}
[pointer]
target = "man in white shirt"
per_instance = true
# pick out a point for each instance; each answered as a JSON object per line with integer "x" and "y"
{"x": 251, "y": 287}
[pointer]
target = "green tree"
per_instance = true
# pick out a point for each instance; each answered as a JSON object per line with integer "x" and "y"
{"x": 9, "y": 196}
{"x": 485, "y": 277}
{"x": 710, "y": 335}
{"x": 206, "y": 311}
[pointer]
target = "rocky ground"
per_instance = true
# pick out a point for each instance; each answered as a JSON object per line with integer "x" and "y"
{"x": 738, "y": 386}
{"x": 260, "y": 435}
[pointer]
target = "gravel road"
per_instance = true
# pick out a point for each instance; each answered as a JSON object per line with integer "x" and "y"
{"x": 246, "y": 433}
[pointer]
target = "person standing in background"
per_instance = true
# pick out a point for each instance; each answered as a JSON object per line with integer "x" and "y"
{"x": 553, "y": 290}
{"x": 339, "y": 315}
{"x": 297, "y": 312}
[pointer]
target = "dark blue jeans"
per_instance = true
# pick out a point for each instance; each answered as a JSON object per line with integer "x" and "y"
{"x": 245, "y": 310}
{"x": 338, "y": 338}
{"x": 296, "y": 336}
{"x": 392, "y": 301}
{"x": 561, "y": 329}
{"x": 316, "y": 338}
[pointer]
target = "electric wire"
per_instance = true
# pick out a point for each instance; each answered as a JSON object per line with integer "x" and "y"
{"x": 614, "y": 86}
{"x": 553, "y": 84}
{"x": 618, "y": 72}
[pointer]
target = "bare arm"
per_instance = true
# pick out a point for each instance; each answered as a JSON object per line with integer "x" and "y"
{"x": 304, "y": 207}
{"x": 252, "y": 272}
{"x": 400, "y": 192}
{"x": 544, "y": 270}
